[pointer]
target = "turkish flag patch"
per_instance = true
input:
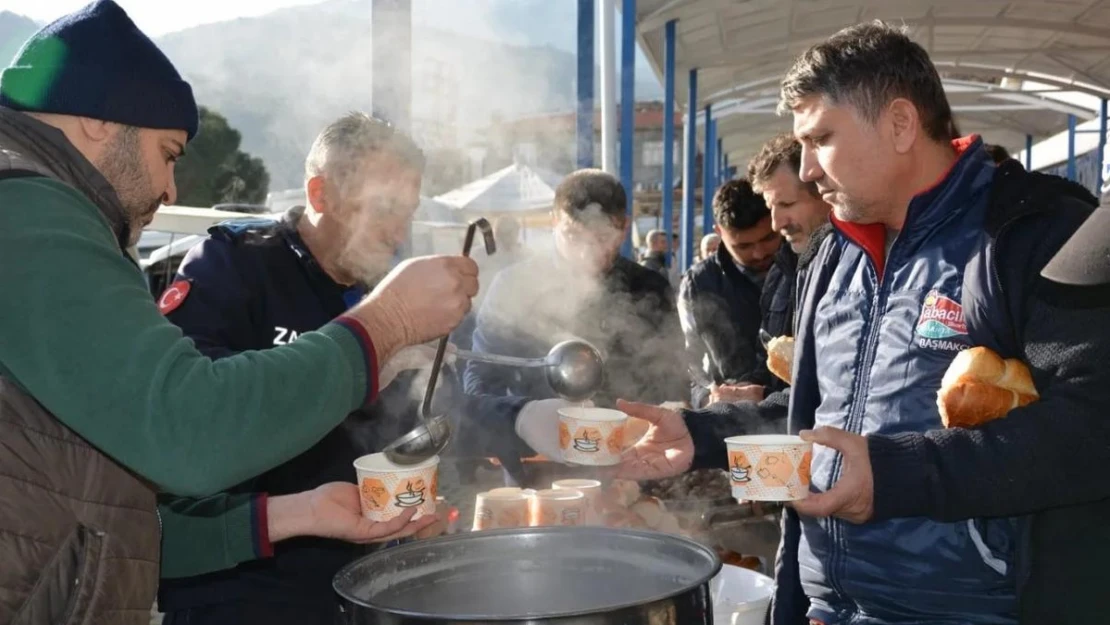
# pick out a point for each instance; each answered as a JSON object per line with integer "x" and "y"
{"x": 174, "y": 296}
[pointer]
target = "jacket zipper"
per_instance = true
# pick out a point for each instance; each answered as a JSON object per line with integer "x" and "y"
{"x": 854, "y": 423}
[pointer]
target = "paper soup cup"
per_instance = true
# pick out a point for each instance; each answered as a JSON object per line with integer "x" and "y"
{"x": 501, "y": 510}
{"x": 591, "y": 436}
{"x": 592, "y": 491}
{"x": 771, "y": 467}
{"x": 387, "y": 490}
{"x": 557, "y": 507}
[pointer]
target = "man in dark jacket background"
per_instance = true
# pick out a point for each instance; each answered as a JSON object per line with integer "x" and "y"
{"x": 926, "y": 223}
{"x": 797, "y": 213}
{"x": 719, "y": 299}
{"x": 583, "y": 289}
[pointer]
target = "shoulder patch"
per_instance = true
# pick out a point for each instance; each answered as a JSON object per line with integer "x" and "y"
{"x": 174, "y": 296}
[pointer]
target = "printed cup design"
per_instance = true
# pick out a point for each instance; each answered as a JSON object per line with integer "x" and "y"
{"x": 587, "y": 440}
{"x": 387, "y": 489}
{"x": 739, "y": 467}
{"x": 769, "y": 467}
{"x": 591, "y": 490}
{"x": 591, "y": 436}
{"x": 562, "y": 506}
{"x": 501, "y": 510}
{"x": 411, "y": 492}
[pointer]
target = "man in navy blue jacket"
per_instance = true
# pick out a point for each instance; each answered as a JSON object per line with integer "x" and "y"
{"x": 253, "y": 285}
{"x": 935, "y": 250}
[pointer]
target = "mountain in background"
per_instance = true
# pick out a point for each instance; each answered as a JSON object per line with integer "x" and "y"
{"x": 279, "y": 78}
{"x": 14, "y": 30}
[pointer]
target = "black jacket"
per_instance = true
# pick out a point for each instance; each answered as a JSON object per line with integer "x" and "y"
{"x": 720, "y": 312}
{"x": 629, "y": 316}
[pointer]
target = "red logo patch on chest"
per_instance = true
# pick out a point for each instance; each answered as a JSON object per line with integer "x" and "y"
{"x": 174, "y": 296}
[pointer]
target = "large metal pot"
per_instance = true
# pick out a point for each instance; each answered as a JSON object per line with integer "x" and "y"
{"x": 557, "y": 575}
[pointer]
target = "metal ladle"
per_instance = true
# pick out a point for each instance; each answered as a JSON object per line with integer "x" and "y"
{"x": 431, "y": 437}
{"x": 574, "y": 369}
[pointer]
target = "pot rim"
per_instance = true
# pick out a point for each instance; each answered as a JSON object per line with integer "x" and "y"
{"x": 703, "y": 582}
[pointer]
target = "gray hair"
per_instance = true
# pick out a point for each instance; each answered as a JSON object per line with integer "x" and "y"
{"x": 655, "y": 235}
{"x": 867, "y": 66}
{"x": 343, "y": 146}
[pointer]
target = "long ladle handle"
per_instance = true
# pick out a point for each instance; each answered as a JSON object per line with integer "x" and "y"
{"x": 497, "y": 359}
{"x": 437, "y": 364}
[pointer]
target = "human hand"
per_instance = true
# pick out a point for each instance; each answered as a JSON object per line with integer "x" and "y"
{"x": 736, "y": 392}
{"x": 420, "y": 300}
{"x": 413, "y": 357}
{"x": 537, "y": 424}
{"x": 334, "y": 510}
{"x": 666, "y": 450}
{"x": 853, "y": 496}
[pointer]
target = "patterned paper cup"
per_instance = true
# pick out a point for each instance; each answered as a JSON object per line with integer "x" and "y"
{"x": 502, "y": 510}
{"x": 592, "y": 490}
{"x": 772, "y": 467}
{"x": 557, "y": 507}
{"x": 591, "y": 436}
{"x": 389, "y": 489}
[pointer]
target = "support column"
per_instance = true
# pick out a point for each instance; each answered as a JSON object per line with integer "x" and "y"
{"x": 708, "y": 163}
{"x": 584, "y": 121}
{"x": 668, "y": 138}
{"x": 1071, "y": 147}
{"x": 391, "y": 62}
{"x": 606, "y": 22}
{"x": 628, "y": 114}
{"x": 1029, "y": 152}
{"x": 1101, "y": 148}
{"x": 690, "y": 161}
{"x": 725, "y": 175}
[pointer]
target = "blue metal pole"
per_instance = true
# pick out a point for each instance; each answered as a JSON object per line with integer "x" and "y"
{"x": 1029, "y": 152}
{"x": 1071, "y": 147}
{"x": 1101, "y": 147}
{"x": 707, "y": 161}
{"x": 628, "y": 109}
{"x": 584, "y": 122}
{"x": 720, "y": 176}
{"x": 668, "y": 136}
{"x": 689, "y": 190}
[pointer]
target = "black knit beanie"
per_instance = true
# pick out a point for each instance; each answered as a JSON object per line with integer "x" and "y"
{"x": 96, "y": 63}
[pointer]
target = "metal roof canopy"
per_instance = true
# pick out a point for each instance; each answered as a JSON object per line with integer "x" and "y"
{"x": 987, "y": 52}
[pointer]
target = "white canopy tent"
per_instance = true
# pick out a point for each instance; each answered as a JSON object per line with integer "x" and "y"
{"x": 517, "y": 189}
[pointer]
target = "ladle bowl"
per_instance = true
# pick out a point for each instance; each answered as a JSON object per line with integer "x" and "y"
{"x": 574, "y": 369}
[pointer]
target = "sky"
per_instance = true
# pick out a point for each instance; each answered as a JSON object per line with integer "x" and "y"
{"x": 158, "y": 17}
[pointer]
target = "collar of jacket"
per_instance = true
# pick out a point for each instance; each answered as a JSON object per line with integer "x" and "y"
{"x": 727, "y": 264}
{"x": 48, "y": 147}
{"x": 971, "y": 172}
{"x": 287, "y": 226}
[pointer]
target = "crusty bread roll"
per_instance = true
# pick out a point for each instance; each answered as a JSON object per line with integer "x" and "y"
{"x": 980, "y": 386}
{"x": 780, "y": 357}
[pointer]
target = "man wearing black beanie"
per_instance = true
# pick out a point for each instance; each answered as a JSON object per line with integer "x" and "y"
{"x": 103, "y": 402}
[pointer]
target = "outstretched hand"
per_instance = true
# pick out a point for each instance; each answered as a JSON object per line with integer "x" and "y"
{"x": 665, "y": 450}
{"x": 334, "y": 510}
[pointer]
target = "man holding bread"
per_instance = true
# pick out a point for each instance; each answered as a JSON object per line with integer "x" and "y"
{"x": 936, "y": 251}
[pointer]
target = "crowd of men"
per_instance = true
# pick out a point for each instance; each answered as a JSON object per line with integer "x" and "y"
{"x": 199, "y": 446}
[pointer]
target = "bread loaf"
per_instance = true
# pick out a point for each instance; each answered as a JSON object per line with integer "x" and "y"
{"x": 980, "y": 386}
{"x": 780, "y": 357}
